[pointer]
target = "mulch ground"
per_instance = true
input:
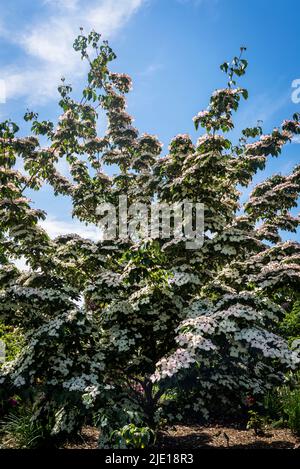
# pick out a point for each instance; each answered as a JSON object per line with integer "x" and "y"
{"x": 193, "y": 437}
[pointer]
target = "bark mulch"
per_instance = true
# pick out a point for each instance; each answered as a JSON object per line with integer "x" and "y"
{"x": 199, "y": 437}
{"x": 181, "y": 437}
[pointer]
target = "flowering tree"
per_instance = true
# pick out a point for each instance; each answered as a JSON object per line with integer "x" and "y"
{"x": 112, "y": 325}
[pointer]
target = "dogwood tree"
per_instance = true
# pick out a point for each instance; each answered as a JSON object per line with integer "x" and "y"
{"x": 112, "y": 325}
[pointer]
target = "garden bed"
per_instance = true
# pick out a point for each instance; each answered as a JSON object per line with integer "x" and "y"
{"x": 181, "y": 437}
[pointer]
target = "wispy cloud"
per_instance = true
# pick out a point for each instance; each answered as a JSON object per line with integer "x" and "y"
{"x": 56, "y": 227}
{"x": 197, "y": 3}
{"x": 151, "y": 70}
{"x": 68, "y": 4}
{"x": 47, "y": 43}
{"x": 261, "y": 107}
{"x": 296, "y": 139}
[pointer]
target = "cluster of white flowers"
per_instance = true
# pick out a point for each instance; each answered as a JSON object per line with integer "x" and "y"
{"x": 65, "y": 420}
{"x": 198, "y": 325}
{"x": 169, "y": 366}
{"x": 231, "y": 317}
{"x": 116, "y": 307}
{"x": 182, "y": 278}
{"x": 276, "y": 273}
{"x": 217, "y": 141}
{"x": 89, "y": 396}
{"x": 271, "y": 345}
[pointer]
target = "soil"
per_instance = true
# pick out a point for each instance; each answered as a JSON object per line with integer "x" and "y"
{"x": 180, "y": 437}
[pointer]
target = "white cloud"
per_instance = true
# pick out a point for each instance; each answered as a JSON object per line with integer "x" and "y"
{"x": 63, "y": 167}
{"x": 47, "y": 44}
{"x": 260, "y": 107}
{"x": 197, "y": 3}
{"x": 21, "y": 263}
{"x": 68, "y": 4}
{"x": 296, "y": 139}
{"x": 55, "y": 227}
{"x": 50, "y": 42}
{"x": 2, "y": 92}
{"x": 151, "y": 69}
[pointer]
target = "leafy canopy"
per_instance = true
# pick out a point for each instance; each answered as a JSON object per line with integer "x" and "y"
{"x": 115, "y": 325}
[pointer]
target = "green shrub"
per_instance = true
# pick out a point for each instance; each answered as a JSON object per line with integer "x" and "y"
{"x": 121, "y": 425}
{"x": 290, "y": 326}
{"x": 20, "y": 430}
{"x": 255, "y": 422}
{"x": 13, "y": 340}
{"x": 283, "y": 404}
{"x": 273, "y": 406}
{"x": 131, "y": 436}
{"x": 291, "y": 408}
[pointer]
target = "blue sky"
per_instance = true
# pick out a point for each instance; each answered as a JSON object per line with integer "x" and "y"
{"x": 171, "y": 48}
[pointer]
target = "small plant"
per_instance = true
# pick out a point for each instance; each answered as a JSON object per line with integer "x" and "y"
{"x": 21, "y": 431}
{"x": 291, "y": 408}
{"x": 131, "y": 436}
{"x": 255, "y": 422}
{"x": 274, "y": 407}
{"x": 282, "y": 405}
